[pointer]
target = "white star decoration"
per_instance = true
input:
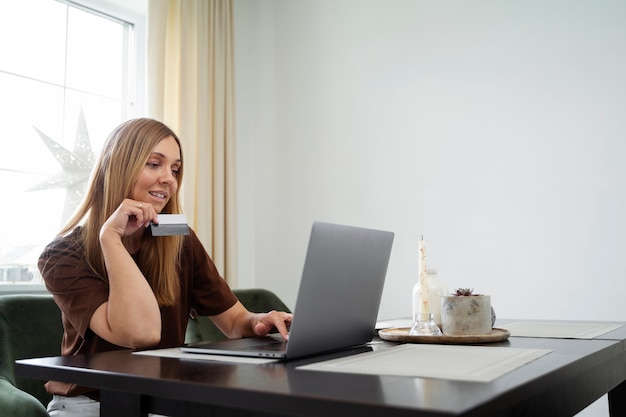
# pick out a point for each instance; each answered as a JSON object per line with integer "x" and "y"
{"x": 75, "y": 167}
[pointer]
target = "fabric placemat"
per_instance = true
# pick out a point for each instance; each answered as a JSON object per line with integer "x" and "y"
{"x": 559, "y": 329}
{"x": 463, "y": 363}
{"x": 179, "y": 354}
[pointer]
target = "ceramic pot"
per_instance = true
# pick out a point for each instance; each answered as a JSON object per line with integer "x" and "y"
{"x": 466, "y": 314}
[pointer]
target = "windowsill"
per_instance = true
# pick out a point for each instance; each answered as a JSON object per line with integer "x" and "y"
{"x": 23, "y": 289}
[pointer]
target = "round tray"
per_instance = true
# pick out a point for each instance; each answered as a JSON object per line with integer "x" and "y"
{"x": 401, "y": 334}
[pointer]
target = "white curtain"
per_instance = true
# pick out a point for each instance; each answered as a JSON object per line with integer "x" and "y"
{"x": 190, "y": 88}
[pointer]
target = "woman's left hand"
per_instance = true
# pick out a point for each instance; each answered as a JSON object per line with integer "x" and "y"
{"x": 273, "y": 321}
{"x": 237, "y": 322}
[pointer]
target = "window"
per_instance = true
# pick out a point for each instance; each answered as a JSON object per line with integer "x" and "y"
{"x": 68, "y": 76}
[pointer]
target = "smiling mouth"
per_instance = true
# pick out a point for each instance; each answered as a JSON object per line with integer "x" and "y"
{"x": 158, "y": 194}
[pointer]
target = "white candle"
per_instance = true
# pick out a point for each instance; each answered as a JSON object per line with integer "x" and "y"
{"x": 424, "y": 308}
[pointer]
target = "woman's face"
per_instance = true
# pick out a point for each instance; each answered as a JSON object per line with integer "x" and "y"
{"x": 158, "y": 180}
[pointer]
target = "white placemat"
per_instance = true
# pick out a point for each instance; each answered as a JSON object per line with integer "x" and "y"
{"x": 559, "y": 329}
{"x": 464, "y": 363}
{"x": 177, "y": 353}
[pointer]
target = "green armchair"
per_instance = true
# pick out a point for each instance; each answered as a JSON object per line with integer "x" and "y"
{"x": 30, "y": 327}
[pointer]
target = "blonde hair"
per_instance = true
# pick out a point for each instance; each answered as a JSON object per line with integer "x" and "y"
{"x": 123, "y": 157}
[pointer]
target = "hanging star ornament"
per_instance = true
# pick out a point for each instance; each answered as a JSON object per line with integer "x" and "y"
{"x": 75, "y": 167}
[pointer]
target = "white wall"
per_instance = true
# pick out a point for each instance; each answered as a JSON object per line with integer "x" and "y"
{"x": 495, "y": 128}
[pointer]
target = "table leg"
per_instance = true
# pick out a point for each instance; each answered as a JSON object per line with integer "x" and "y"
{"x": 121, "y": 404}
{"x": 617, "y": 400}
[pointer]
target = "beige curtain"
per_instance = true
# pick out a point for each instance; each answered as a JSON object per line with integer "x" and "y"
{"x": 190, "y": 88}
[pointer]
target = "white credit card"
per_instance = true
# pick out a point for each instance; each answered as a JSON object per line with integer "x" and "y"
{"x": 170, "y": 225}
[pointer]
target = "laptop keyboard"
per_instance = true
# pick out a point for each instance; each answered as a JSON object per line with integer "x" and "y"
{"x": 273, "y": 345}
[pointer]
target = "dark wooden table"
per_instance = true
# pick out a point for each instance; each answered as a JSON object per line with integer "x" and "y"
{"x": 561, "y": 383}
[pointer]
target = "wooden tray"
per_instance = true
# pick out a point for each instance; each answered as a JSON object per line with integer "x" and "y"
{"x": 401, "y": 334}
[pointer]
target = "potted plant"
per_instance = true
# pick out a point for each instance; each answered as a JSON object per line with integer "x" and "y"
{"x": 466, "y": 313}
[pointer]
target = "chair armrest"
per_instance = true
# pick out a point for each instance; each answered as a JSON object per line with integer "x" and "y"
{"x": 17, "y": 403}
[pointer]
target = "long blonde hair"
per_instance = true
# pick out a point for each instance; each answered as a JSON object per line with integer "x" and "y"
{"x": 122, "y": 159}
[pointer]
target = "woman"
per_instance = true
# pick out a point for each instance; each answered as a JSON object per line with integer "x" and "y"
{"x": 118, "y": 286}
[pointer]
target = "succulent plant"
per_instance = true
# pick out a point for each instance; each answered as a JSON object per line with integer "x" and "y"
{"x": 463, "y": 291}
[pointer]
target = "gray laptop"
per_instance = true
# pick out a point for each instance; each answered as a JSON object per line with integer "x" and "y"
{"x": 338, "y": 299}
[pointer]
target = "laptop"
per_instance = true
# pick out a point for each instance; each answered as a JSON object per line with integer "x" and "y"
{"x": 338, "y": 298}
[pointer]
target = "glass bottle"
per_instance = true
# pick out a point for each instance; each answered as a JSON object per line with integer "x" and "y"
{"x": 436, "y": 289}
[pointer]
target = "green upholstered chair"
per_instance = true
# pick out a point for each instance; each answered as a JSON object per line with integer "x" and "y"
{"x": 257, "y": 300}
{"x": 30, "y": 327}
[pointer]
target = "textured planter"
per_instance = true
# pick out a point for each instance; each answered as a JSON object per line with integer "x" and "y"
{"x": 466, "y": 314}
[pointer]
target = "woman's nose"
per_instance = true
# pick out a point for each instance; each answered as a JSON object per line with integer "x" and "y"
{"x": 168, "y": 176}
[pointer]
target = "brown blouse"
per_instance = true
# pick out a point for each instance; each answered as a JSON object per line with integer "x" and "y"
{"x": 78, "y": 293}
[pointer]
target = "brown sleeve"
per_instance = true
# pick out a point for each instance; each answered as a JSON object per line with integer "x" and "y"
{"x": 77, "y": 291}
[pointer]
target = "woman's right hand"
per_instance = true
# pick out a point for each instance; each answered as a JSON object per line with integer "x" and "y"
{"x": 129, "y": 217}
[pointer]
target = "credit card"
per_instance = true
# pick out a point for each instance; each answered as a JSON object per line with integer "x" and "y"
{"x": 170, "y": 225}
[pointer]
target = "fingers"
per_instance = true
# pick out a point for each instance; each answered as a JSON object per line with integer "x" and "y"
{"x": 282, "y": 326}
{"x": 129, "y": 217}
{"x": 144, "y": 213}
{"x": 140, "y": 214}
{"x": 274, "y": 320}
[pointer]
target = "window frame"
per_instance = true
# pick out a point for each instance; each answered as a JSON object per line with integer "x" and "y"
{"x": 137, "y": 17}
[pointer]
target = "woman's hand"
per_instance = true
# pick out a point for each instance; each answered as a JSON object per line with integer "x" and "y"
{"x": 273, "y": 321}
{"x": 129, "y": 217}
{"x": 237, "y": 322}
